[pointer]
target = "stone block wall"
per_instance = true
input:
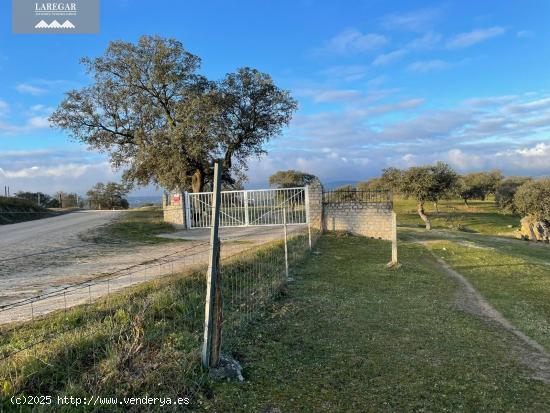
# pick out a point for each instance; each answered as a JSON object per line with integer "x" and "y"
{"x": 174, "y": 211}
{"x": 373, "y": 221}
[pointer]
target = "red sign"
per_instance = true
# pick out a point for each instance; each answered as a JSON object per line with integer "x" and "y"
{"x": 176, "y": 199}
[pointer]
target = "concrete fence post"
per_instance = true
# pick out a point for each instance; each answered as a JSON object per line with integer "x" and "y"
{"x": 394, "y": 262}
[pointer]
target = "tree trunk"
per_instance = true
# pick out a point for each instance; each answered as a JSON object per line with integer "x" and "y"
{"x": 466, "y": 201}
{"x": 436, "y": 208}
{"x": 424, "y": 216}
{"x": 197, "y": 181}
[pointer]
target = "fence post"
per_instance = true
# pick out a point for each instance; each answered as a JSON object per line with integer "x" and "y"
{"x": 213, "y": 308}
{"x": 187, "y": 210}
{"x": 286, "y": 244}
{"x": 246, "y": 217}
{"x": 393, "y": 262}
{"x": 306, "y": 196}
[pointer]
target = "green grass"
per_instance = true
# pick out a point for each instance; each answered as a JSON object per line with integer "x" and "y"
{"x": 145, "y": 340}
{"x": 348, "y": 335}
{"x": 136, "y": 227}
{"x": 13, "y": 210}
{"x": 353, "y": 336}
{"x": 514, "y": 278}
{"x": 480, "y": 216}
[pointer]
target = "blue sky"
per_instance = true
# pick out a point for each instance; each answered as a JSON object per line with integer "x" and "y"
{"x": 378, "y": 83}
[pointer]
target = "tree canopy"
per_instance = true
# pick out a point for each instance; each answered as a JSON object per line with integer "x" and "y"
{"x": 290, "y": 179}
{"x": 533, "y": 199}
{"x": 108, "y": 196}
{"x": 504, "y": 195}
{"x": 478, "y": 185}
{"x": 427, "y": 183}
{"x": 164, "y": 123}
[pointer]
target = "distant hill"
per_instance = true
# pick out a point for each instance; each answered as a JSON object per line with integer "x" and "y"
{"x": 14, "y": 210}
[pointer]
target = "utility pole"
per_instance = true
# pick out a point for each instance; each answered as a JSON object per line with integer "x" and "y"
{"x": 213, "y": 314}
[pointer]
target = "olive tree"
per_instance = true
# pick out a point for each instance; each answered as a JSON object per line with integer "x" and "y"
{"x": 504, "y": 194}
{"x": 428, "y": 183}
{"x": 164, "y": 123}
{"x": 478, "y": 185}
{"x": 290, "y": 179}
{"x": 532, "y": 199}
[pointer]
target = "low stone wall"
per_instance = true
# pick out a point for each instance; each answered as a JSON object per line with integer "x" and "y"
{"x": 369, "y": 220}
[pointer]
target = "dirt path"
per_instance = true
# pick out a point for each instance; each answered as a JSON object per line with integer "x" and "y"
{"x": 529, "y": 351}
{"x": 48, "y": 259}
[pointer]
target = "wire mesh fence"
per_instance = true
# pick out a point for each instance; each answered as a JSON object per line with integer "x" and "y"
{"x": 138, "y": 329}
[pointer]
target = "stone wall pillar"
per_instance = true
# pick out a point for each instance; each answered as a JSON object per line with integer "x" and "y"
{"x": 315, "y": 205}
{"x": 174, "y": 211}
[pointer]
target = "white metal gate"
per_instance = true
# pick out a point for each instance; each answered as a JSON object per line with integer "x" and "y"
{"x": 249, "y": 207}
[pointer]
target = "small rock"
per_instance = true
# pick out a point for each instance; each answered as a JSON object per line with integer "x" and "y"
{"x": 228, "y": 368}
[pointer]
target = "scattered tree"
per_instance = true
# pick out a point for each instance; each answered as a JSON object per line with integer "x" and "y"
{"x": 108, "y": 196}
{"x": 164, "y": 123}
{"x": 479, "y": 184}
{"x": 291, "y": 179}
{"x": 373, "y": 184}
{"x": 424, "y": 183}
{"x": 532, "y": 199}
{"x": 504, "y": 194}
{"x": 39, "y": 198}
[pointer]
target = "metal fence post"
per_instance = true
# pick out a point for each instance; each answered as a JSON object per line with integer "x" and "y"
{"x": 187, "y": 207}
{"x": 246, "y": 216}
{"x": 286, "y": 244}
{"x": 213, "y": 308}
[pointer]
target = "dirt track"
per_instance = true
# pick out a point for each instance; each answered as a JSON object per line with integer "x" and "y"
{"x": 48, "y": 255}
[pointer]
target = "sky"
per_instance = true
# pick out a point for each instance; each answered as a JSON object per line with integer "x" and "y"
{"x": 379, "y": 84}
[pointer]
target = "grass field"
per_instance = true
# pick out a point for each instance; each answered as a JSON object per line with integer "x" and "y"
{"x": 139, "y": 226}
{"x": 347, "y": 335}
{"x": 352, "y": 336}
{"x": 480, "y": 216}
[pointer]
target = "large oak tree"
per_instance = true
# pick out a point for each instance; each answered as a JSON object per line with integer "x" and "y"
{"x": 164, "y": 123}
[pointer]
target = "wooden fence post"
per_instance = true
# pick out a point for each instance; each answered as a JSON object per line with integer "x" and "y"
{"x": 213, "y": 314}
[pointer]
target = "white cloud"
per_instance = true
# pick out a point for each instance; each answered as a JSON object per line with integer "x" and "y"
{"x": 530, "y": 106}
{"x": 525, "y": 34}
{"x": 467, "y": 39}
{"x": 378, "y": 80}
{"x": 490, "y": 100}
{"x": 30, "y": 89}
{"x": 4, "y": 107}
{"x": 348, "y": 73}
{"x": 428, "y": 65}
{"x": 389, "y": 58}
{"x": 428, "y": 40}
{"x": 417, "y": 20}
{"x": 330, "y": 95}
{"x": 352, "y": 41}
